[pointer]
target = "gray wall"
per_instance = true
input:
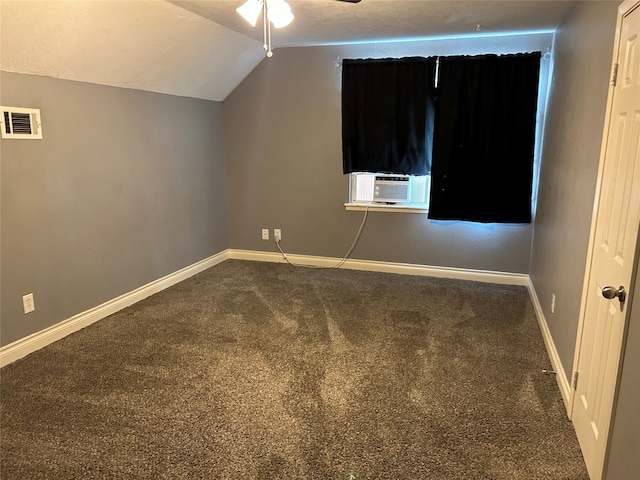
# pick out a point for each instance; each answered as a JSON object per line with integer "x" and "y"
{"x": 583, "y": 50}
{"x": 126, "y": 187}
{"x": 284, "y": 166}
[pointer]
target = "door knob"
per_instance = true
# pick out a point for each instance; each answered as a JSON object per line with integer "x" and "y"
{"x": 611, "y": 293}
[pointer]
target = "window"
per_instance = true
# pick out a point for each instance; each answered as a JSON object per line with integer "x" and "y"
{"x": 387, "y": 131}
{"x": 477, "y": 130}
{"x": 484, "y": 138}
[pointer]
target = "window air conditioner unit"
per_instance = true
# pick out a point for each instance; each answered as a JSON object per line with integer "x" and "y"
{"x": 391, "y": 189}
{"x": 380, "y": 188}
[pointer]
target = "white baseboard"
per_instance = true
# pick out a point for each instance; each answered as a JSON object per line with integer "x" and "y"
{"x": 563, "y": 382}
{"x": 388, "y": 267}
{"x": 20, "y": 348}
{"x": 24, "y": 346}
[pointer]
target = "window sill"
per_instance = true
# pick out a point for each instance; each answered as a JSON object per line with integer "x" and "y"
{"x": 396, "y": 208}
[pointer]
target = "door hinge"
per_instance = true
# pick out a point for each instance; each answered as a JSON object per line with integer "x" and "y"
{"x": 575, "y": 380}
{"x": 614, "y": 75}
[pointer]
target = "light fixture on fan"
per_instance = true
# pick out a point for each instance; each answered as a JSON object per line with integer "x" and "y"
{"x": 277, "y": 12}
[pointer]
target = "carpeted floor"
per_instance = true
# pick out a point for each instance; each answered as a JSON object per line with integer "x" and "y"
{"x": 260, "y": 371}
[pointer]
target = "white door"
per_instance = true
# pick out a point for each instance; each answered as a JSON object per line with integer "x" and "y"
{"x": 613, "y": 250}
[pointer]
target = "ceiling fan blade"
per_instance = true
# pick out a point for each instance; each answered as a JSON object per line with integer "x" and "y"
{"x": 350, "y": 1}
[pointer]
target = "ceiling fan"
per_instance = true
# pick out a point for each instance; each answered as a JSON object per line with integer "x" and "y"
{"x": 276, "y": 12}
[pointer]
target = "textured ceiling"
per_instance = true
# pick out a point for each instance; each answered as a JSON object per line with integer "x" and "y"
{"x": 204, "y": 49}
{"x": 321, "y": 22}
{"x": 149, "y": 45}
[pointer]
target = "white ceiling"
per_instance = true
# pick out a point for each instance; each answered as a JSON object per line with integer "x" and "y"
{"x": 204, "y": 49}
{"x": 144, "y": 44}
{"x": 321, "y": 22}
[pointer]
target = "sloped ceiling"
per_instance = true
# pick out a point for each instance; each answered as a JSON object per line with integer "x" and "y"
{"x": 149, "y": 45}
{"x": 204, "y": 49}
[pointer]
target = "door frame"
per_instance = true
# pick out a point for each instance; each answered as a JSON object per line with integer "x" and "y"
{"x": 623, "y": 9}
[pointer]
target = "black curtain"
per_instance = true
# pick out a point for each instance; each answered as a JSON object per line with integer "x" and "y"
{"x": 387, "y": 115}
{"x": 484, "y": 136}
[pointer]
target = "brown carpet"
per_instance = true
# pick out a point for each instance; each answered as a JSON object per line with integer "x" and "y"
{"x": 258, "y": 371}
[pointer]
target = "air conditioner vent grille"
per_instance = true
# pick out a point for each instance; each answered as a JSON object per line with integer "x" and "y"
{"x": 21, "y": 123}
{"x": 391, "y": 189}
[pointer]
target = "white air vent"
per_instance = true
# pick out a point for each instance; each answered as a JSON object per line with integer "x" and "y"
{"x": 22, "y": 123}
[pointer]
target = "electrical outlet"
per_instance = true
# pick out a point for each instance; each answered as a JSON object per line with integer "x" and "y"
{"x": 265, "y": 234}
{"x": 28, "y": 304}
{"x": 553, "y": 303}
{"x": 277, "y": 234}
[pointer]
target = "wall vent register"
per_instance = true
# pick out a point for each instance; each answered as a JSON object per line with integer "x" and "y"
{"x": 21, "y": 123}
